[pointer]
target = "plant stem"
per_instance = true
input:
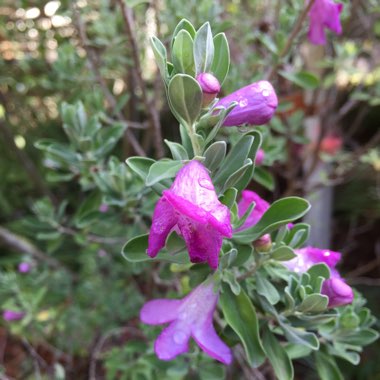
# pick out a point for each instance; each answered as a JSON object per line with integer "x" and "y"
{"x": 20, "y": 244}
{"x": 92, "y": 61}
{"x": 293, "y": 35}
{"x": 149, "y": 105}
{"x": 194, "y": 141}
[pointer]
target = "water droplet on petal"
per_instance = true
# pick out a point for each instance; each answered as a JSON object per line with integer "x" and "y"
{"x": 204, "y": 182}
{"x": 326, "y": 254}
{"x": 179, "y": 337}
{"x": 243, "y": 102}
{"x": 265, "y": 93}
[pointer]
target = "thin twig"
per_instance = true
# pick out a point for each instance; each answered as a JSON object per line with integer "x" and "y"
{"x": 91, "y": 237}
{"x": 364, "y": 268}
{"x": 99, "y": 346}
{"x": 293, "y": 35}
{"x": 21, "y": 244}
{"x": 150, "y": 108}
{"x": 364, "y": 281}
{"x": 93, "y": 65}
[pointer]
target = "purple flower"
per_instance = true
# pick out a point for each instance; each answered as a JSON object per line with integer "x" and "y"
{"x": 338, "y": 291}
{"x": 247, "y": 198}
{"x": 309, "y": 256}
{"x": 103, "y": 208}
{"x": 260, "y": 157}
{"x": 189, "y": 317}
{"x": 324, "y": 14}
{"x": 11, "y": 315}
{"x": 24, "y": 267}
{"x": 191, "y": 206}
{"x": 261, "y": 206}
{"x": 335, "y": 288}
{"x": 256, "y": 104}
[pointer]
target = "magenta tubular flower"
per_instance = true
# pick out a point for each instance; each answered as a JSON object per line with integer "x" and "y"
{"x": 309, "y": 256}
{"x": 11, "y": 315}
{"x": 247, "y": 198}
{"x": 210, "y": 87}
{"x": 24, "y": 267}
{"x": 338, "y": 291}
{"x": 335, "y": 288}
{"x": 261, "y": 206}
{"x": 324, "y": 14}
{"x": 189, "y": 317}
{"x": 192, "y": 206}
{"x": 256, "y": 104}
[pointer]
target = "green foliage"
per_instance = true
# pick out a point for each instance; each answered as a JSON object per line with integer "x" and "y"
{"x": 70, "y": 87}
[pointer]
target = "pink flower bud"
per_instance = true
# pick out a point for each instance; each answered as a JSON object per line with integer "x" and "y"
{"x": 210, "y": 87}
{"x": 331, "y": 145}
{"x": 24, "y": 267}
{"x": 263, "y": 244}
{"x": 260, "y": 157}
{"x": 103, "y": 208}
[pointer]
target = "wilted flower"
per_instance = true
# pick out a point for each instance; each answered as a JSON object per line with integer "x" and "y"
{"x": 260, "y": 155}
{"x": 192, "y": 206}
{"x": 324, "y": 14}
{"x": 11, "y": 315}
{"x": 189, "y": 317}
{"x": 210, "y": 87}
{"x": 24, "y": 267}
{"x": 256, "y": 104}
{"x": 335, "y": 288}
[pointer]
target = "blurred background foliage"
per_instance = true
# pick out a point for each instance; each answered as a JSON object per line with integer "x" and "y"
{"x": 80, "y": 92}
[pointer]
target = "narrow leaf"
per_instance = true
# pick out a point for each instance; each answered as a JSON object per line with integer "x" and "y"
{"x": 241, "y": 316}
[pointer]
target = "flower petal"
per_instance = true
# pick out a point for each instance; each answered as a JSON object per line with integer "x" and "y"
{"x": 164, "y": 219}
{"x": 174, "y": 340}
{"x": 316, "y": 256}
{"x": 208, "y": 340}
{"x": 193, "y": 194}
{"x": 248, "y": 197}
{"x": 160, "y": 311}
{"x": 203, "y": 241}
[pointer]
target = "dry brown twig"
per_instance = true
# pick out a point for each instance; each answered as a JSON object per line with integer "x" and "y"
{"x": 149, "y": 105}
{"x": 94, "y": 67}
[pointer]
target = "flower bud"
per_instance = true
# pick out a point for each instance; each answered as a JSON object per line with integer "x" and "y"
{"x": 260, "y": 155}
{"x": 263, "y": 244}
{"x": 103, "y": 208}
{"x": 331, "y": 145}
{"x": 256, "y": 104}
{"x": 11, "y": 315}
{"x": 24, "y": 267}
{"x": 210, "y": 87}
